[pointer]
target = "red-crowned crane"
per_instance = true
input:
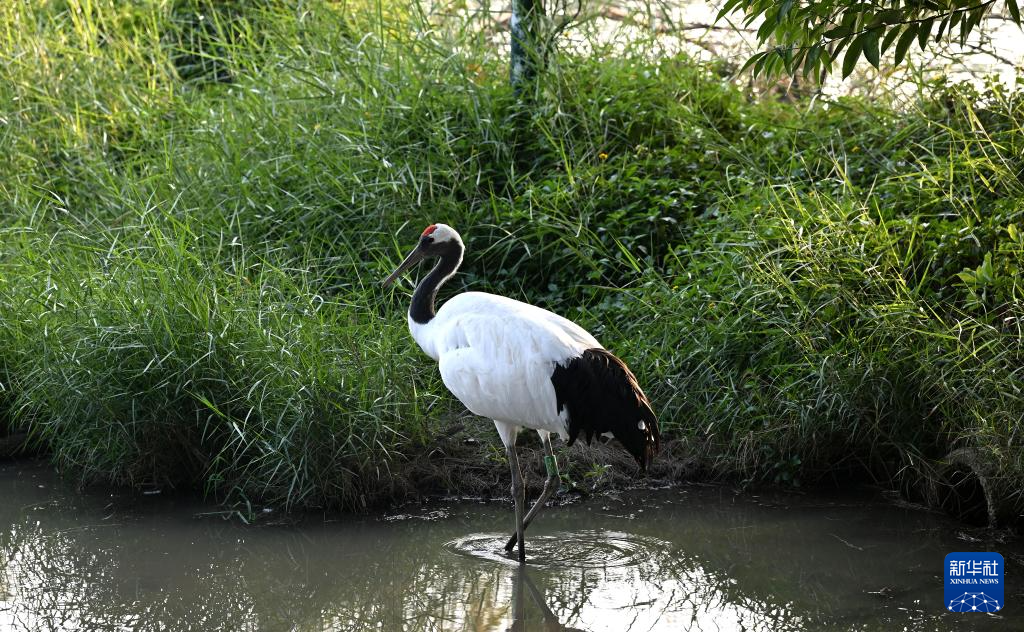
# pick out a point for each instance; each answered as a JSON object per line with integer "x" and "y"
{"x": 524, "y": 367}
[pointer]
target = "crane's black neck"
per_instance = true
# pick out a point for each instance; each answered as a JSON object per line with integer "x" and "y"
{"x": 449, "y": 255}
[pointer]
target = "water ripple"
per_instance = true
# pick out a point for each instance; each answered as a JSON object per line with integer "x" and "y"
{"x": 566, "y": 549}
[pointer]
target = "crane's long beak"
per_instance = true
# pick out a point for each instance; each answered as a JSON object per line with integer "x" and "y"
{"x": 413, "y": 258}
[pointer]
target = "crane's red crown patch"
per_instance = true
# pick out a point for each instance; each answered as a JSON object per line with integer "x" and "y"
{"x": 428, "y": 230}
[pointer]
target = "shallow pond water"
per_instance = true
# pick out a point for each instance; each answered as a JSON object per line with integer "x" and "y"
{"x": 687, "y": 558}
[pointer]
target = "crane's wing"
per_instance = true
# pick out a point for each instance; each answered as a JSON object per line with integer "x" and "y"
{"x": 602, "y": 396}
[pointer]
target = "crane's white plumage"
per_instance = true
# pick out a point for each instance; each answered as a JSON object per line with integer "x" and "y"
{"x": 524, "y": 367}
{"x": 496, "y": 355}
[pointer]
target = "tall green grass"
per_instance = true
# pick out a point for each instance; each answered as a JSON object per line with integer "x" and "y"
{"x": 151, "y": 360}
{"x": 199, "y": 197}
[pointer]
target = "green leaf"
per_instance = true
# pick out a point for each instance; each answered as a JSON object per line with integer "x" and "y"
{"x": 852, "y": 54}
{"x": 813, "y": 53}
{"x": 766, "y": 29}
{"x": 975, "y": 19}
{"x": 755, "y": 60}
{"x": 890, "y": 16}
{"x": 967, "y": 276}
{"x": 890, "y": 37}
{"x": 826, "y": 59}
{"x": 825, "y": 62}
{"x": 970, "y": 21}
{"x": 870, "y": 46}
{"x": 820, "y": 9}
{"x": 840, "y": 46}
{"x": 759, "y": 66}
{"x": 925, "y": 29}
{"x": 839, "y": 32}
{"x": 799, "y": 59}
{"x": 906, "y": 40}
{"x": 1014, "y": 9}
{"x": 787, "y": 58}
{"x": 726, "y": 9}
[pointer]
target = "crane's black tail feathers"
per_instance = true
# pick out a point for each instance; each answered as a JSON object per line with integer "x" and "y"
{"x": 602, "y": 395}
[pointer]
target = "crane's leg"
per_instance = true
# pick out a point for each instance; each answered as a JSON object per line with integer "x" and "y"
{"x": 550, "y": 485}
{"x": 519, "y": 497}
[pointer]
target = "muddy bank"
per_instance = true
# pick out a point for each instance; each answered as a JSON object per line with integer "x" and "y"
{"x": 465, "y": 462}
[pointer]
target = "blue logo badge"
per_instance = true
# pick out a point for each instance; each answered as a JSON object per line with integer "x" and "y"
{"x": 974, "y": 582}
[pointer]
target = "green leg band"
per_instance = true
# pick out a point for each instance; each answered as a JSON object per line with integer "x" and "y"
{"x": 551, "y": 465}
